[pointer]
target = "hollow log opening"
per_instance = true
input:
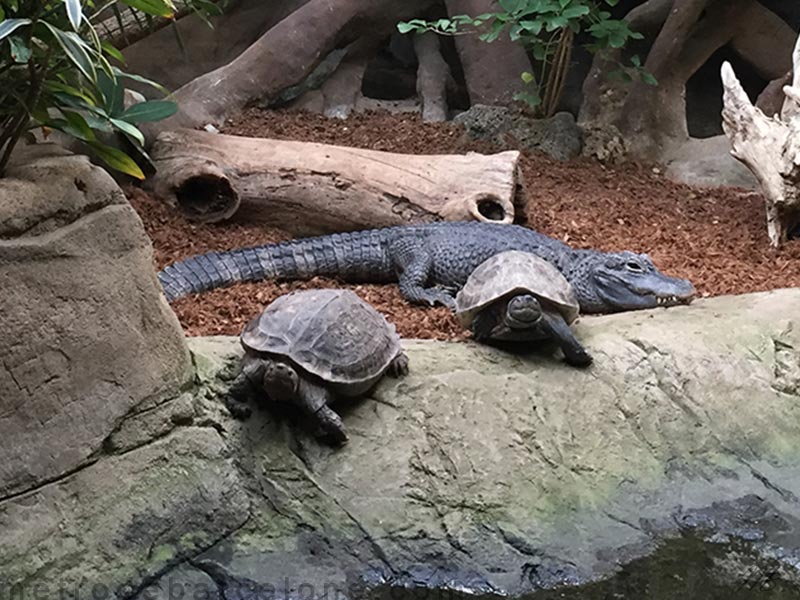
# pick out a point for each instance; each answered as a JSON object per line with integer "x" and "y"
{"x": 205, "y": 196}
{"x": 491, "y": 208}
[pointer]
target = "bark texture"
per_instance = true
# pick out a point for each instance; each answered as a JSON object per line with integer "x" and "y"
{"x": 282, "y": 57}
{"x": 769, "y": 147}
{"x": 209, "y": 177}
{"x": 649, "y": 122}
{"x": 492, "y": 71}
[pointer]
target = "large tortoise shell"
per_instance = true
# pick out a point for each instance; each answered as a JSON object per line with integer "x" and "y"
{"x": 510, "y": 273}
{"x": 331, "y": 333}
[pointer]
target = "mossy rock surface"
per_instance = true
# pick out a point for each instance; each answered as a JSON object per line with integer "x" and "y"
{"x": 480, "y": 470}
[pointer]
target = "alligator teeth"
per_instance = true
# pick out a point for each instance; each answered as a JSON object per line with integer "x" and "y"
{"x": 666, "y": 299}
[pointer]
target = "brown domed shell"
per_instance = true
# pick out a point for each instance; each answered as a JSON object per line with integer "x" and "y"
{"x": 510, "y": 273}
{"x": 331, "y": 333}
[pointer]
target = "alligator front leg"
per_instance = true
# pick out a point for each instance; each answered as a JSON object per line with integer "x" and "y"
{"x": 413, "y": 264}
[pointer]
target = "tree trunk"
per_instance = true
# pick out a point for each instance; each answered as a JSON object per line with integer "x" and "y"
{"x": 769, "y": 147}
{"x": 432, "y": 74}
{"x": 193, "y": 48}
{"x": 653, "y": 118}
{"x": 282, "y": 57}
{"x": 210, "y": 177}
{"x": 647, "y": 122}
{"x": 492, "y": 71}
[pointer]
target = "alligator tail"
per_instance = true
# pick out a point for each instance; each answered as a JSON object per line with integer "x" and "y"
{"x": 355, "y": 256}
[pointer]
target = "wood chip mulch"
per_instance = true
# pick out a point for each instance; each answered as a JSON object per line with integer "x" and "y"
{"x": 716, "y": 237}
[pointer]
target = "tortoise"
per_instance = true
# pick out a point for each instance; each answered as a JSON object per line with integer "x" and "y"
{"x": 519, "y": 297}
{"x": 310, "y": 347}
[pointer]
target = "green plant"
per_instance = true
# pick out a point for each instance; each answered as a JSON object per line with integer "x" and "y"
{"x": 56, "y": 73}
{"x": 546, "y": 28}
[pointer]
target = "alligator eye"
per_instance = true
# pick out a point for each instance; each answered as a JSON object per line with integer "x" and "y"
{"x": 633, "y": 266}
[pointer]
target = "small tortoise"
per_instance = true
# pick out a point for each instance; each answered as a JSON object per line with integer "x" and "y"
{"x": 310, "y": 347}
{"x": 517, "y": 296}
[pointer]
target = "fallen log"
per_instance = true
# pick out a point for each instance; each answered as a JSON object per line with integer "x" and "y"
{"x": 769, "y": 146}
{"x": 309, "y": 188}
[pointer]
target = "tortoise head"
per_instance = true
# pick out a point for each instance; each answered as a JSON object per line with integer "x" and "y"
{"x": 523, "y": 311}
{"x": 281, "y": 381}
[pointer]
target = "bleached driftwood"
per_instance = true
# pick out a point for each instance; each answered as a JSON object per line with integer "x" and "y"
{"x": 769, "y": 146}
{"x": 309, "y": 188}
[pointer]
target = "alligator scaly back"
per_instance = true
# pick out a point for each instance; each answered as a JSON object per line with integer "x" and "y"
{"x": 355, "y": 256}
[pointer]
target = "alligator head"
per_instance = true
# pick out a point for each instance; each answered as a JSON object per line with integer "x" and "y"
{"x": 619, "y": 281}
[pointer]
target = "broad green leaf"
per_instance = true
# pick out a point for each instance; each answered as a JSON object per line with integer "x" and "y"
{"x": 649, "y": 79}
{"x": 555, "y": 23}
{"x": 79, "y": 126}
{"x": 99, "y": 123}
{"x": 573, "y": 12}
{"x": 58, "y": 86}
{"x": 20, "y": 51}
{"x": 113, "y": 93}
{"x": 129, "y": 129}
{"x": 535, "y": 26}
{"x": 123, "y": 75}
{"x": 80, "y": 104}
{"x": 527, "y": 77}
{"x": 74, "y": 13}
{"x": 406, "y": 26}
{"x": 9, "y": 26}
{"x": 492, "y": 35}
{"x": 76, "y": 50}
{"x": 151, "y": 110}
{"x": 616, "y": 40}
{"x": 158, "y": 8}
{"x": 105, "y": 65}
{"x": 112, "y": 51}
{"x": 117, "y": 159}
{"x": 511, "y": 6}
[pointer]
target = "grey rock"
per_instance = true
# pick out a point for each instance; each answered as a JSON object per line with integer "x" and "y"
{"x": 558, "y": 136}
{"x": 708, "y": 162}
{"x": 481, "y": 471}
{"x": 87, "y": 334}
{"x": 118, "y": 524}
{"x": 184, "y": 581}
{"x": 488, "y": 471}
{"x": 151, "y": 423}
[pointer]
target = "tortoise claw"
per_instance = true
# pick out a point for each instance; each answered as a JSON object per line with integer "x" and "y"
{"x": 399, "y": 366}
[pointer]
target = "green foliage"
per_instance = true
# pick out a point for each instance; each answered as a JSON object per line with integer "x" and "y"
{"x": 546, "y": 29}
{"x": 56, "y": 73}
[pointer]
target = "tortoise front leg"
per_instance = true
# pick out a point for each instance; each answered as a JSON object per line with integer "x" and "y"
{"x": 244, "y": 388}
{"x": 315, "y": 400}
{"x": 561, "y": 333}
{"x": 285, "y": 384}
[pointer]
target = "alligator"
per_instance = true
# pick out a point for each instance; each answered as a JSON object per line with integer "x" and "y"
{"x": 431, "y": 262}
